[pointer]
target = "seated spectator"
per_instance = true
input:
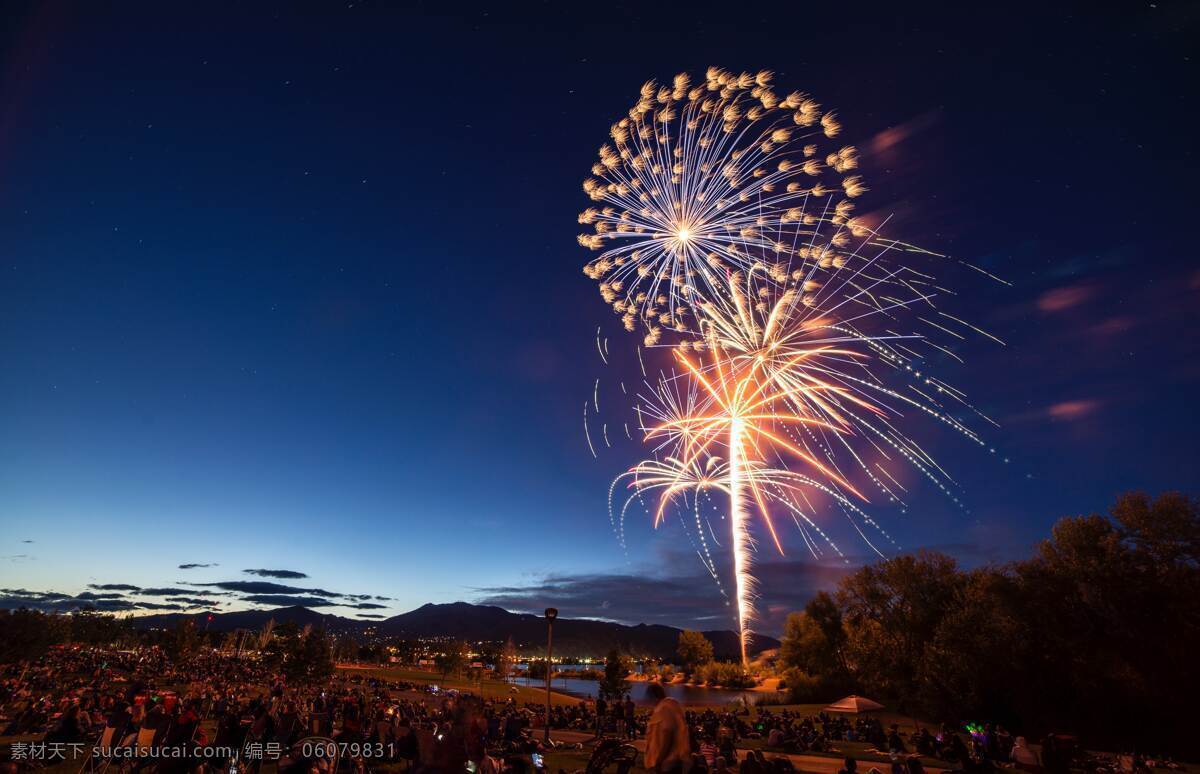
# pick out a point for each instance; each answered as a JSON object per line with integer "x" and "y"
{"x": 708, "y": 749}
{"x": 1023, "y": 757}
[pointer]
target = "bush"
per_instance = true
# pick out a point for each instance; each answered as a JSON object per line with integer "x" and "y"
{"x": 740, "y": 681}
{"x": 803, "y": 688}
{"x": 725, "y": 674}
{"x": 662, "y": 672}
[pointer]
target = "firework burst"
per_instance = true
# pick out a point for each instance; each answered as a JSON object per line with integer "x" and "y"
{"x": 726, "y": 232}
{"x": 724, "y": 176}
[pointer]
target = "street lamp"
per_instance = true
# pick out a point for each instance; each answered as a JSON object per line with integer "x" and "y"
{"x": 551, "y": 614}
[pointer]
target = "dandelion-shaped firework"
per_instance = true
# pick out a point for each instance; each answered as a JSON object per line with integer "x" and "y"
{"x": 725, "y": 229}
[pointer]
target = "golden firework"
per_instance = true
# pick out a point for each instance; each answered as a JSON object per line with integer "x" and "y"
{"x": 725, "y": 231}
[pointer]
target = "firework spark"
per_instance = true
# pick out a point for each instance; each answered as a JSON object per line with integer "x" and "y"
{"x": 720, "y": 221}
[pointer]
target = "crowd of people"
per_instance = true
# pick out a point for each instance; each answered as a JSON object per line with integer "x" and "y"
{"x": 221, "y": 710}
{"x": 139, "y": 699}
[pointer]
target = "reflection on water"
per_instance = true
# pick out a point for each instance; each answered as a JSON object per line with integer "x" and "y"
{"x": 684, "y": 694}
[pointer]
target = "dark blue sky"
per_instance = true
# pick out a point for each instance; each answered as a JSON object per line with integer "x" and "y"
{"x": 297, "y": 286}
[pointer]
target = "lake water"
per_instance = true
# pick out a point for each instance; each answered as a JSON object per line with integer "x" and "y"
{"x": 684, "y": 694}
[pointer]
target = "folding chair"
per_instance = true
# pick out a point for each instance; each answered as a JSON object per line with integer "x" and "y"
{"x": 145, "y": 739}
{"x": 92, "y": 765}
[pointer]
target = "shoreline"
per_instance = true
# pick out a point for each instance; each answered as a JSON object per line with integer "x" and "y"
{"x": 535, "y": 692}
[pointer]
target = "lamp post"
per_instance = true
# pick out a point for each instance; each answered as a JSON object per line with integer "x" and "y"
{"x": 551, "y": 614}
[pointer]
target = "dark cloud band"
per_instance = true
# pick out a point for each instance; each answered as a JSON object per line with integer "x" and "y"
{"x": 281, "y": 574}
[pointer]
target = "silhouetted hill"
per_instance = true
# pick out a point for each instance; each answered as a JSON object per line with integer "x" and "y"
{"x": 476, "y": 623}
{"x": 578, "y": 636}
{"x": 254, "y": 619}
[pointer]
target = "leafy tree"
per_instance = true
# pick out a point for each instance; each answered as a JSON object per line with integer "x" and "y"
{"x": 803, "y": 645}
{"x": 1095, "y": 633}
{"x": 801, "y": 687}
{"x": 280, "y": 645}
{"x": 891, "y": 610}
{"x": 452, "y": 658}
{"x": 694, "y": 650}
{"x": 347, "y": 649}
{"x": 27, "y": 634}
{"x": 1165, "y": 531}
{"x": 616, "y": 668}
{"x": 407, "y": 651}
{"x": 814, "y": 641}
{"x": 982, "y": 628}
{"x": 183, "y": 642}
{"x": 1111, "y": 606}
{"x": 90, "y": 627}
{"x": 311, "y": 658}
{"x": 488, "y": 653}
{"x": 372, "y": 653}
{"x": 302, "y": 655}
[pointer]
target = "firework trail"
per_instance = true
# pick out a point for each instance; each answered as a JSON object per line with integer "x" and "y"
{"x": 725, "y": 232}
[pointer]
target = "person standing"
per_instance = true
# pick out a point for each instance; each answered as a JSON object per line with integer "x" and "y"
{"x": 668, "y": 750}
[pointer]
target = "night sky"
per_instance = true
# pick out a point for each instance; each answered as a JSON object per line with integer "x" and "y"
{"x": 295, "y": 288}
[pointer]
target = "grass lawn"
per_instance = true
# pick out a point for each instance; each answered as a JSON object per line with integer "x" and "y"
{"x": 856, "y": 750}
{"x": 575, "y": 760}
{"x": 490, "y": 689}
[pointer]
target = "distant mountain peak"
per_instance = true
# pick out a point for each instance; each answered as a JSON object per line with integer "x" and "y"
{"x": 573, "y": 637}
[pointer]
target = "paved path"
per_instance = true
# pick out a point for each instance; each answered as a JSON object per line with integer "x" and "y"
{"x": 816, "y": 764}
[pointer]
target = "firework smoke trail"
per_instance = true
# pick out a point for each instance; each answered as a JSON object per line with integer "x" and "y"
{"x": 720, "y": 224}
{"x": 741, "y": 538}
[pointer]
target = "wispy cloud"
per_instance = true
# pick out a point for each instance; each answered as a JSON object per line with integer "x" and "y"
{"x": 287, "y": 600}
{"x": 194, "y": 601}
{"x": 265, "y": 587}
{"x": 171, "y": 591}
{"x": 54, "y": 602}
{"x": 1073, "y": 410}
{"x": 126, "y": 597}
{"x": 675, "y": 598}
{"x": 1064, "y": 298}
{"x": 282, "y": 574}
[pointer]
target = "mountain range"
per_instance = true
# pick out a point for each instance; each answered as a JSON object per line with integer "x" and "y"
{"x": 573, "y": 637}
